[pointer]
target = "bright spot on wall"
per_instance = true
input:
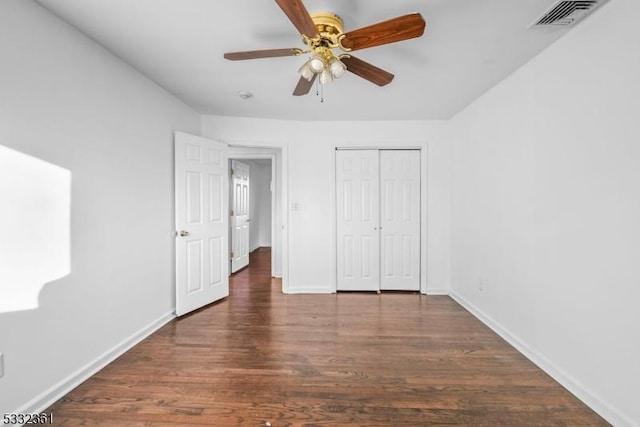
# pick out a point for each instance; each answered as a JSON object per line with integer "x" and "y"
{"x": 35, "y": 217}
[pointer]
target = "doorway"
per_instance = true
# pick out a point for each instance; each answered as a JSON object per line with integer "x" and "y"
{"x": 252, "y": 214}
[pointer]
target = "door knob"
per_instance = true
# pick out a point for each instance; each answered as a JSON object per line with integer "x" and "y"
{"x": 184, "y": 233}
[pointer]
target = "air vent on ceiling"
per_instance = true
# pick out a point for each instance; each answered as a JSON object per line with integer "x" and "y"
{"x": 565, "y": 13}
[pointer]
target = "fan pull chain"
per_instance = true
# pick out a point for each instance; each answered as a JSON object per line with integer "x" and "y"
{"x": 320, "y": 90}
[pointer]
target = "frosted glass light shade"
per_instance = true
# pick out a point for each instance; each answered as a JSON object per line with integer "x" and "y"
{"x": 337, "y": 68}
{"x": 305, "y": 71}
{"x": 317, "y": 64}
{"x": 326, "y": 77}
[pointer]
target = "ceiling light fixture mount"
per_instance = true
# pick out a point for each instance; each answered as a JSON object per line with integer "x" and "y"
{"x": 245, "y": 94}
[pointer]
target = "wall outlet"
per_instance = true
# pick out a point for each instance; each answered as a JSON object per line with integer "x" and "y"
{"x": 1, "y": 365}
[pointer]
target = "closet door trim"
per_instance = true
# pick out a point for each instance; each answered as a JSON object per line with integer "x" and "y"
{"x": 411, "y": 275}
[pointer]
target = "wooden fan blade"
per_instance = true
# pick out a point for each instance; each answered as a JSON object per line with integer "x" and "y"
{"x": 304, "y": 86}
{"x": 367, "y": 71}
{"x": 391, "y": 31}
{"x": 299, "y": 17}
{"x": 255, "y": 54}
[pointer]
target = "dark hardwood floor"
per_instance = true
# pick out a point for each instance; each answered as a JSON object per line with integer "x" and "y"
{"x": 361, "y": 359}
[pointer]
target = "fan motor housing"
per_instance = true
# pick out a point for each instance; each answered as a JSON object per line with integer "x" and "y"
{"x": 327, "y": 22}
{"x": 330, "y": 26}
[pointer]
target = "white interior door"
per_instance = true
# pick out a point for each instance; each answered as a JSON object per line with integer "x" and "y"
{"x": 357, "y": 220}
{"x": 240, "y": 177}
{"x": 400, "y": 220}
{"x": 201, "y": 198}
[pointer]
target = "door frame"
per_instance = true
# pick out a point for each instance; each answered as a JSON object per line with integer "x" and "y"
{"x": 424, "y": 220}
{"x": 272, "y": 157}
{"x": 256, "y": 150}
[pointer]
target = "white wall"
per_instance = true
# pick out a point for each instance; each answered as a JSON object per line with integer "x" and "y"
{"x": 263, "y": 186}
{"x": 310, "y": 185}
{"x": 546, "y": 207}
{"x": 65, "y": 100}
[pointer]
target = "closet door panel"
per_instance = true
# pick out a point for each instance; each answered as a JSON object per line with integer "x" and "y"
{"x": 357, "y": 210}
{"x": 400, "y": 219}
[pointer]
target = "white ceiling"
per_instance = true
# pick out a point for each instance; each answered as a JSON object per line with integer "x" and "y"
{"x": 468, "y": 47}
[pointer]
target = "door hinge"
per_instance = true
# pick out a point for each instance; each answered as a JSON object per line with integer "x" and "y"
{"x": 231, "y": 254}
{"x": 232, "y": 214}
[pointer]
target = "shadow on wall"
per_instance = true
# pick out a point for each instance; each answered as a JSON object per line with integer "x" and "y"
{"x": 35, "y": 214}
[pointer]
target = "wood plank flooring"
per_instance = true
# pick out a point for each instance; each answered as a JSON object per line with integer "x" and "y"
{"x": 361, "y": 359}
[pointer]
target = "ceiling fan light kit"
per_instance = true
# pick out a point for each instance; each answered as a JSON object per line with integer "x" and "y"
{"x": 323, "y": 32}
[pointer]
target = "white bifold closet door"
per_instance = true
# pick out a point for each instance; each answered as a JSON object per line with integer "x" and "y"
{"x": 358, "y": 209}
{"x": 378, "y": 220}
{"x": 400, "y": 220}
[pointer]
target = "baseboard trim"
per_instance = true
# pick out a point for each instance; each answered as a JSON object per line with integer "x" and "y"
{"x": 310, "y": 291}
{"x": 50, "y": 396}
{"x": 333, "y": 291}
{"x": 437, "y": 291}
{"x": 602, "y": 408}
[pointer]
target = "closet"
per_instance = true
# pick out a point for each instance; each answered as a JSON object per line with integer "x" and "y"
{"x": 378, "y": 220}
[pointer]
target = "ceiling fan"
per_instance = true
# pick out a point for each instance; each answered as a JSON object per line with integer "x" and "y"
{"x": 324, "y": 32}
